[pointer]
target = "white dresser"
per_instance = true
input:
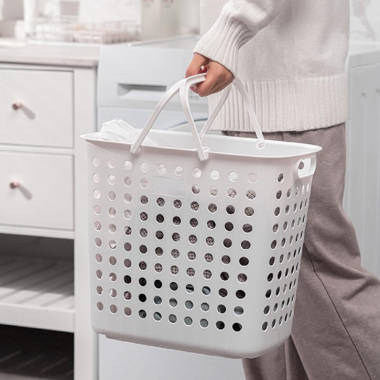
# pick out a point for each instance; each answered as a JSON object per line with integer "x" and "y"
{"x": 47, "y": 100}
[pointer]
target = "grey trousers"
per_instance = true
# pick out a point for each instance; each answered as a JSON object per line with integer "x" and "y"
{"x": 336, "y": 327}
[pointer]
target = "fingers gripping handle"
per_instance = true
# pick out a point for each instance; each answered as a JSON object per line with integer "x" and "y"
{"x": 183, "y": 88}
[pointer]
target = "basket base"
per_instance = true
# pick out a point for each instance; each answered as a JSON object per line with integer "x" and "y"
{"x": 194, "y": 349}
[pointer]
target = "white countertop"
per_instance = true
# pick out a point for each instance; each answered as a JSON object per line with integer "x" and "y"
{"x": 78, "y": 55}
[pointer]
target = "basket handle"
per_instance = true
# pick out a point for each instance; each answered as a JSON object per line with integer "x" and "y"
{"x": 183, "y": 87}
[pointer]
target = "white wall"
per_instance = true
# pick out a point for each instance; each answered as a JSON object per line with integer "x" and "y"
{"x": 365, "y": 21}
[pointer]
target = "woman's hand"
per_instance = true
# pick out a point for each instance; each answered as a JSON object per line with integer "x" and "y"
{"x": 218, "y": 76}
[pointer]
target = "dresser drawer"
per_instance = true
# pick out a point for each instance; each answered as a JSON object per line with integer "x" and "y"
{"x": 36, "y": 108}
{"x": 36, "y": 190}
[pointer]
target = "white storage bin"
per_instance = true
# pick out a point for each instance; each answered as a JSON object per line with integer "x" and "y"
{"x": 196, "y": 253}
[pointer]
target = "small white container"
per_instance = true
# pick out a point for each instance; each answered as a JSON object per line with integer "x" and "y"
{"x": 160, "y": 18}
{"x": 30, "y": 16}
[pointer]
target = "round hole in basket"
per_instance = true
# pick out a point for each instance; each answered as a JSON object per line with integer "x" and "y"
{"x": 206, "y": 290}
{"x": 214, "y": 175}
{"x": 250, "y": 194}
{"x": 173, "y": 302}
{"x": 96, "y": 178}
{"x": 213, "y": 191}
{"x": 178, "y": 171}
{"x": 197, "y": 173}
{"x": 177, "y": 203}
{"x": 233, "y": 176}
{"x": 97, "y": 194}
{"x": 226, "y": 259}
{"x": 158, "y": 267}
{"x": 231, "y": 192}
{"x": 227, "y": 243}
{"x": 195, "y": 189}
{"x": 237, "y": 327}
{"x": 205, "y": 306}
{"x": 245, "y": 244}
{"x": 128, "y": 165}
{"x": 244, "y": 261}
{"x": 113, "y": 309}
{"x": 229, "y": 226}
{"x": 176, "y": 220}
{"x": 96, "y": 162}
{"x": 209, "y": 257}
{"x": 211, "y": 224}
{"x": 97, "y": 225}
{"x": 144, "y": 167}
{"x": 191, "y": 255}
{"x": 127, "y": 295}
{"x": 193, "y": 222}
{"x": 161, "y": 169}
{"x": 127, "y": 279}
{"x": 220, "y": 325}
{"x": 188, "y": 321}
{"x": 240, "y": 294}
{"x": 207, "y": 274}
{"x": 249, "y": 211}
{"x": 247, "y": 228}
{"x": 194, "y": 206}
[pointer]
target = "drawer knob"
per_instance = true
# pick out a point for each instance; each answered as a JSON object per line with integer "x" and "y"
{"x": 17, "y": 106}
{"x": 14, "y": 185}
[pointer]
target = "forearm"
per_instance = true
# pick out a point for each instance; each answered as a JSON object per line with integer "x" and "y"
{"x": 238, "y": 22}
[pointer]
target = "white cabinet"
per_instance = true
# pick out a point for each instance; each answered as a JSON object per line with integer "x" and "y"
{"x": 36, "y": 107}
{"x": 43, "y": 196}
{"x": 36, "y": 190}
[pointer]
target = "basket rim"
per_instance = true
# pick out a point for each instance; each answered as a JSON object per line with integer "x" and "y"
{"x": 305, "y": 149}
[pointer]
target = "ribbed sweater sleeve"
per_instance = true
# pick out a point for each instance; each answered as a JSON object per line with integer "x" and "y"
{"x": 238, "y": 22}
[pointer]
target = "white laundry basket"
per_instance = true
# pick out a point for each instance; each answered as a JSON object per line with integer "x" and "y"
{"x": 197, "y": 249}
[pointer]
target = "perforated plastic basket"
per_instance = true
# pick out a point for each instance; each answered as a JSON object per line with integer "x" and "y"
{"x": 197, "y": 249}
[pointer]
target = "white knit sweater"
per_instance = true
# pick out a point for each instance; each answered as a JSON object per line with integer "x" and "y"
{"x": 289, "y": 53}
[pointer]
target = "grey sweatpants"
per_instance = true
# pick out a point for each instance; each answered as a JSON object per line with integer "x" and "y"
{"x": 336, "y": 327}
